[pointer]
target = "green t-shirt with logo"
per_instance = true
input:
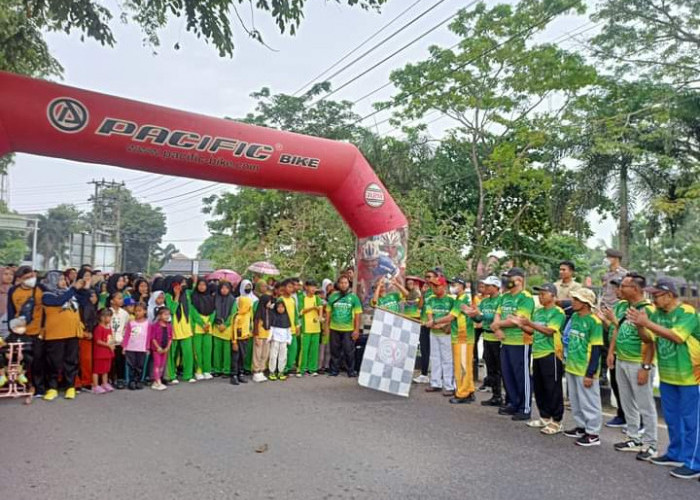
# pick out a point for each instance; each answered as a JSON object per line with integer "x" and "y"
{"x": 488, "y": 307}
{"x": 628, "y": 345}
{"x": 390, "y": 301}
{"x": 544, "y": 345}
{"x": 440, "y": 307}
{"x": 584, "y": 333}
{"x": 679, "y": 364}
{"x": 521, "y": 304}
{"x": 410, "y": 305}
{"x": 464, "y": 331}
{"x": 342, "y": 311}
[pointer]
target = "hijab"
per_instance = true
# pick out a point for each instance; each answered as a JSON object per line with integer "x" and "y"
{"x": 241, "y": 291}
{"x": 279, "y": 320}
{"x": 152, "y": 305}
{"x": 203, "y": 302}
{"x": 112, "y": 284}
{"x": 262, "y": 313}
{"x": 158, "y": 284}
{"x": 183, "y": 307}
{"x": 223, "y": 303}
{"x": 324, "y": 286}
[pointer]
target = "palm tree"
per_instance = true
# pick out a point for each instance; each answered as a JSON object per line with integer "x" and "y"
{"x": 55, "y": 229}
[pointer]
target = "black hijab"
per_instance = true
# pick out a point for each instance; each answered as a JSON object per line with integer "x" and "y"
{"x": 262, "y": 313}
{"x": 203, "y": 302}
{"x": 224, "y": 303}
{"x": 158, "y": 284}
{"x": 112, "y": 284}
{"x": 279, "y": 320}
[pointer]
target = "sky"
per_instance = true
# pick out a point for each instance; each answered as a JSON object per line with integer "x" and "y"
{"x": 194, "y": 78}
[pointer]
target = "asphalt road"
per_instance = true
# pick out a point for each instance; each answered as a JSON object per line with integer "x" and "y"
{"x": 304, "y": 438}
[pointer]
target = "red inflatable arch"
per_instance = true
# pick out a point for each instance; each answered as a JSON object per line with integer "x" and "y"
{"x": 48, "y": 119}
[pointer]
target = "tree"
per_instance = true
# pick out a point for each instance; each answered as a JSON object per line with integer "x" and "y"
{"x": 493, "y": 87}
{"x": 210, "y": 19}
{"x": 55, "y": 230}
{"x": 161, "y": 256}
{"x": 659, "y": 38}
{"x": 13, "y": 244}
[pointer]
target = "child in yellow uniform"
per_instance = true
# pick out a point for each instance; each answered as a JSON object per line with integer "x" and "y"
{"x": 222, "y": 332}
{"x": 242, "y": 331}
{"x": 261, "y": 331}
{"x": 311, "y": 307}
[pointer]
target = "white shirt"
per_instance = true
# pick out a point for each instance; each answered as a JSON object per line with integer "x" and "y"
{"x": 281, "y": 334}
{"x": 120, "y": 318}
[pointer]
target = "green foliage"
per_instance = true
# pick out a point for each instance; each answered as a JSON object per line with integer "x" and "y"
{"x": 55, "y": 229}
{"x": 13, "y": 244}
{"x": 210, "y": 19}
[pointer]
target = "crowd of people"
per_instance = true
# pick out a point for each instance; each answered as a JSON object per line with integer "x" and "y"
{"x": 86, "y": 331}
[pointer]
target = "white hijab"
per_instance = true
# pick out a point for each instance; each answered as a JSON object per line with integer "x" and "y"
{"x": 241, "y": 291}
{"x": 152, "y": 305}
{"x": 324, "y": 286}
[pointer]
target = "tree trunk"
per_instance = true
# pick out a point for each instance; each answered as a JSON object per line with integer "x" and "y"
{"x": 624, "y": 223}
{"x": 477, "y": 241}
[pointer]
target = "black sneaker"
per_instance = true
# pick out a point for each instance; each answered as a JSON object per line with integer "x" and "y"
{"x": 234, "y": 381}
{"x": 588, "y": 440}
{"x": 139, "y": 385}
{"x": 664, "y": 460}
{"x": 460, "y": 401}
{"x": 629, "y": 445}
{"x": 520, "y": 417}
{"x": 576, "y": 432}
{"x": 492, "y": 402}
{"x": 647, "y": 454}
{"x": 484, "y": 388}
{"x": 616, "y": 422}
{"x": 242, "y": 379}
{"x": 332, "y": 374}
{"x": 352, "y": 374}
{"x": 684, "y": 472}
{"x": 132, "y": 385}
{"x": 508, "y": 410}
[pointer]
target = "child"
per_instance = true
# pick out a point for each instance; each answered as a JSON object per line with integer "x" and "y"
{"x": 89, "y": 320}
{"x": 102, "y": 352}
{"x": 178, "y": 302}
{"x": 135, "y": 345}
{"x": 241, "y": 331}
{"x": 280, "y": 337}
{"x": 129, "y": 306}
{"x": 261, "y": 331}
{"x": 155, "y": 301}
{"x": 202, "y": 316}
{"x": 160, "y": 337}
{"x": 311, "y": 307}
{"x": 222, "y": 332}
{"x": 120, "y": 318}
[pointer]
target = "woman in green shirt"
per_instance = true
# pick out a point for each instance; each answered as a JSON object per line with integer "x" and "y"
{"x": 344, "y": 310}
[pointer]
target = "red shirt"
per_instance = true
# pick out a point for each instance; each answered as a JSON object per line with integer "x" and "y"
{"x": 102, "y": 334}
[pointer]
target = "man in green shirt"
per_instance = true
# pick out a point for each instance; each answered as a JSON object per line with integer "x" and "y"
{"x": 484, "y": 315}
{"x": 387, "y": 296}
{"x": 582, "y": 369}
{"x": 676, "y": 330}
{"x": 439, "y": 305}
{"x": 633, "y": 358}
{"x": 516, "y": 345}
{"x": 344, "y": 311}
{"x": 547, "y": 354}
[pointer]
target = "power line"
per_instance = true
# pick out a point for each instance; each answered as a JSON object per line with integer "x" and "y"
{"x": 396, "y": 52}
{"x": 476, "y": 58}
{"x": 376, "y": 33}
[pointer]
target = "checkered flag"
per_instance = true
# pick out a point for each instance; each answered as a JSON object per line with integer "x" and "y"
{"x": 390, "y": 354}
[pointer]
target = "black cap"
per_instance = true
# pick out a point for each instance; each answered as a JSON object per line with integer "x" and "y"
{"x": 515, "y": 271}
{"x": 547, "y": 287}
{"x": 612, "y": 252}
{"x": 663, "y": 285}
{"x": 459, "y": 280}
{"x": 615, "y": 281}
{"x": 311, "y": 282}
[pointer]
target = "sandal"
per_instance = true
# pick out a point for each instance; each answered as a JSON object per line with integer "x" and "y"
{"x": 539, "y": 423}
{"x": 552, "y": 428}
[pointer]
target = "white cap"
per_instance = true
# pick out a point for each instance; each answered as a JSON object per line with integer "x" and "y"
{"x": 492, "y": 280}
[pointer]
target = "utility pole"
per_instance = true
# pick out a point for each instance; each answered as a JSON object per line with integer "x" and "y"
{"x": 106, "y": 220}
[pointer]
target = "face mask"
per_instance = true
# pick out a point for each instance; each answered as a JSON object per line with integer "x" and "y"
{"x": 510, "y": 283}
{"x": 30, "y": 282}
{"x": 248, "y": 290}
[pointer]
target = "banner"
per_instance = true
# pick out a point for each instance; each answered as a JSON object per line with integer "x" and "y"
{"x": 390, "y": 354}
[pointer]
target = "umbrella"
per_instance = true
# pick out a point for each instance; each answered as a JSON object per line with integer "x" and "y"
{"x": 225, "y": 275}
{"x": 263, "y": 267}
{"x": 417, "y": 279}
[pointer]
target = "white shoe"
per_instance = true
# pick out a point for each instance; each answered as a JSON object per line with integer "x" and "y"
{"x": 208, "y": 376}
{"x": 155, "y": 386}
{"x": 199, "y": 376}
{"x": 162, "y": 387}
{"x": 259, "y": 377}
{"x": 174, "y": 381}
{"x": 192, "y": 380}
{"x": 421, "y": 379}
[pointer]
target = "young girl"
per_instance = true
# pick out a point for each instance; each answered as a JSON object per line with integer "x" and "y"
{"x": 280, "y": 337}
{"x": 261, "y": 331}
{"x": 241, "y": 331}
{"x": 102, "y": 352}
{"x": 160, "y": 337}
{"x": 120, "y": 318}
{"x": 154, "y": 302}
{"x": 222, "y": 332}
{"x": 202, "y": 316}
{"x": 89, "y": 320}
{"x": 135, "y": 345}
{"x": 178, "y": 302}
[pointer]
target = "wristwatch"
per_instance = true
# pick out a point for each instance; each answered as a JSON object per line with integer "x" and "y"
{"x": 647, "y": 367}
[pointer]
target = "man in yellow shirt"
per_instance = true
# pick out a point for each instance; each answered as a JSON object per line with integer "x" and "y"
{"x": 311, "y": 308}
